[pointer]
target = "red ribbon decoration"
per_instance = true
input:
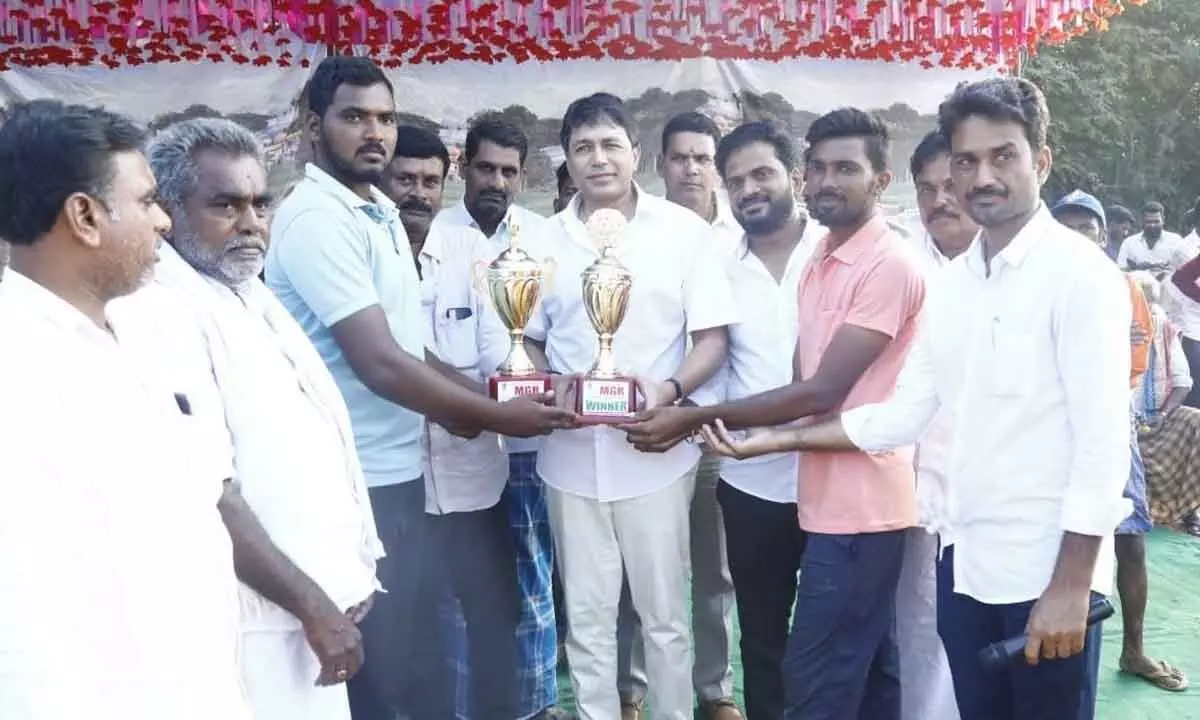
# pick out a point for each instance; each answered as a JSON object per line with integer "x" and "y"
{"x": 947, "y": 33}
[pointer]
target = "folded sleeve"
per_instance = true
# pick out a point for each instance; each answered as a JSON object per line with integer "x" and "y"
{"x": 900, "y": 420}
{"x": 708, "y": 300}
{"x": 1091, "y": 326}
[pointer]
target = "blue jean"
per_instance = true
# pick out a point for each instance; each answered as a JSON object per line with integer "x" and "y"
{"x": 841, "y": 661}
{"x": 1053, "y": 690}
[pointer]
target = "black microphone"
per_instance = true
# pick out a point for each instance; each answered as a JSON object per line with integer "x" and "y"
{"x": 999, "y": 654}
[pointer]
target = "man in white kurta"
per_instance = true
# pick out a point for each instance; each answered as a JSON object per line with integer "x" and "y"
{"x": 293, "y": 453}
{"x": 612, "y": 507}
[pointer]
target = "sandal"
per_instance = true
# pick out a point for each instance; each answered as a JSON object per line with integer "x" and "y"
{"x": 721, "y": 709}
{"x": 631, "y": 710}
{"x": 1164, "y": 676}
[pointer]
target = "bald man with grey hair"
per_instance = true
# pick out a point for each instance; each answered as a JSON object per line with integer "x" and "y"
{"x": 296, "y": 506}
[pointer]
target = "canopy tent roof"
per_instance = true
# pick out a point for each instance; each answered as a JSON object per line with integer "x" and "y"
{"x": 948, "y": 33}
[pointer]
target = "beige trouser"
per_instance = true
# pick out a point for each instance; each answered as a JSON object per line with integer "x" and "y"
{"x": 646, "y": 540}
{"x": 926, "y": 688}
{"x": 712, "y": 603}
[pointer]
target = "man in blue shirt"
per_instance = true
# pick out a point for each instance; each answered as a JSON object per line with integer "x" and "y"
{"x": 340, "y": 262}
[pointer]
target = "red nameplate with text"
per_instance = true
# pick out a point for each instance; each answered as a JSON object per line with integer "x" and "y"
{"x": 503, "y": 388}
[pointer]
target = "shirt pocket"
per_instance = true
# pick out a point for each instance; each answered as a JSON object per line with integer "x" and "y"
{"x": 1014, "y": 361}
{"x": 456, "y": 327}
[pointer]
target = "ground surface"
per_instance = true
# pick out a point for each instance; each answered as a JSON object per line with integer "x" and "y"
{"x": 1172, "y": 633}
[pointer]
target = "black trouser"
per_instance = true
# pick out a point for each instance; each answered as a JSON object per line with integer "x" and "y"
{"x": 387, "y": 684}
{"x": 1053, "y": 690}
{"x": 842, "y": 662}
{"x": 1191, "y": 349}
{"x": 473, "y": 556}
{"x": 764, "y": 543}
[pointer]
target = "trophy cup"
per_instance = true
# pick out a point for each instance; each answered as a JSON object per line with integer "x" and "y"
{"x": 513, "y": 281}
{"x": 603, "y": 395}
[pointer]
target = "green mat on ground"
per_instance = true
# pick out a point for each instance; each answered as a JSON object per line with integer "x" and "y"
{"x": 1172, "y": 633}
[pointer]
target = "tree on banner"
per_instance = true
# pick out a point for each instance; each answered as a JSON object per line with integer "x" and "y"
{"x": 1126, "y": 107}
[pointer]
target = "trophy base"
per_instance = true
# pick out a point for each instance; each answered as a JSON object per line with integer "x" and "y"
{"x": 503, "y": 388}
{"x": 605, "y": 401}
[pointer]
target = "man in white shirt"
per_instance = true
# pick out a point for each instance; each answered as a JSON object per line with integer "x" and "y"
{"x": 611, "y": 506}
{"x": 1155, "y": 248}
{"x": 689, "y": 147}
{"x": 760, "y": 164}
{"x": 297, "y": 509}
{"x": 341, "y": 263}
{"x": 491, "y": 502}
{"x": 415, "y": 180}
{"x": 926, "y": 685}
{"x": 1026, "y": 341}
{"x": 119, "y": 601}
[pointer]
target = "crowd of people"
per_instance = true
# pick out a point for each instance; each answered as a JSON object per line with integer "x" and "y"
{"x": 251, "y": 470}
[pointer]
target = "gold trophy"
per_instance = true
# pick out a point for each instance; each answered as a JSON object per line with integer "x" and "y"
{"x": 604, "y": 395}
{"x": 513, "y": 281}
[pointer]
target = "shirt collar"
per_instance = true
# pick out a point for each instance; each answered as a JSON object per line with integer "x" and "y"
{"x": 1018, "y": 248}
{"x": 850, "y": 251}
{"x": 458, "y": 217}
{"x": 32, "y": 296}
{"x": 329, "y": 184}
{"x": 643, "y": 209}
{"x": 725, "y": 219}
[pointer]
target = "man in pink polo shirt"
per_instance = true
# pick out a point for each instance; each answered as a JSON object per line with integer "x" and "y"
{"x": 860, "y": 298}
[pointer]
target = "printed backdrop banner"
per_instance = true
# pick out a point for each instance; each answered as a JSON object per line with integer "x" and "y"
{"x": 444, "y": 98}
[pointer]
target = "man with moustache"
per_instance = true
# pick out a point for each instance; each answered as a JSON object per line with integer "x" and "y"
{"x": 415, "y": 180}
{"x": 860, "y": 297}
{"x": 119, "y": 595}
{"x": 612, "y": 509}
{"x": 689, "y": 146}
{"x": 296, "y": 507}
{"x": 505, "y": 496}
{"x": 1026, "y": 340}
{"x": 341, "y": 263}
{"x": 927, "y": 689}
{"x": 762, "y": 171}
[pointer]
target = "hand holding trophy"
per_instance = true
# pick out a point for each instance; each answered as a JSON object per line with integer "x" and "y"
{"x": 513, "y": 281}
{"x": 604, "y": 395}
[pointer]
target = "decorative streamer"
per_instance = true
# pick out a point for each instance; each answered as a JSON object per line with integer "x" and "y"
{"x": 947, "y": 33}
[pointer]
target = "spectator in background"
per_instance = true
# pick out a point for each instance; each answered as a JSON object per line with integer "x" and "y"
{"x": 415, "y": 180}
{"x": 1169, "y": 433}
{"x": 1121, "y": 223}
{"x": 1083, "y": 213}
{"x": 1155, "y": 248}
{"x": 566, "y": 187}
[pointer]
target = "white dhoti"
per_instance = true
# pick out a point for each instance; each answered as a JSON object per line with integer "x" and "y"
{"x": 926, "y": 688}
{"x": 279, "y": 671}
